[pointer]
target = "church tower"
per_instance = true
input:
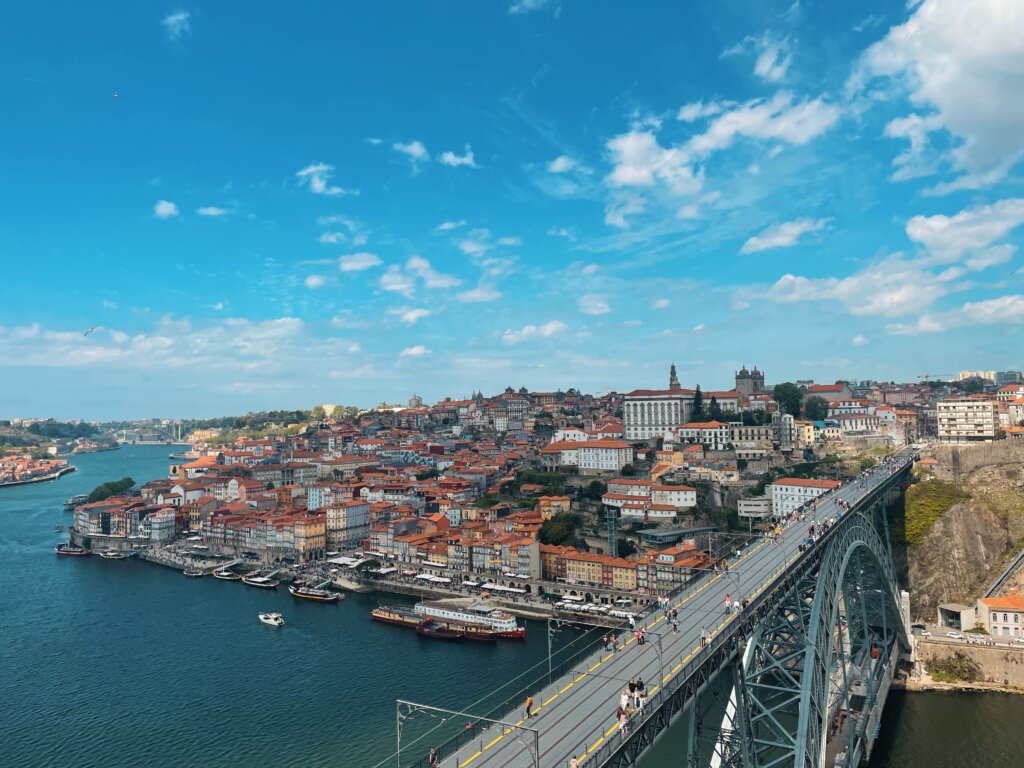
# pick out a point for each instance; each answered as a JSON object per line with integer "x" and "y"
{"x": 673, "y": 380}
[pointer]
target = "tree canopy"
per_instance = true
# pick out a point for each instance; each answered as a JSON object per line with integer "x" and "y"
{"x": 110, "y": 488}
{"x": 815, "y": 408}
{"x": 715, "y": 412}
{"x": 788, "y": 396}
{"x": 697, "y": 414}
{"x": 560, "y": 529}
{"x": 59, "y": 430}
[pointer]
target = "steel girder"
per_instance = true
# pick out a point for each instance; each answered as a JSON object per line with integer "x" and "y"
{"x": 795, "y": 668}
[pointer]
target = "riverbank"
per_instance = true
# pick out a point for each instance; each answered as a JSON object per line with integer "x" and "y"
{"x": 43, "y": 479}
{"x": 927, "y": 685}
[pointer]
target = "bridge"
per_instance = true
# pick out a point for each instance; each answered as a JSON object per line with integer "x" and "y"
{"x": 797, "y": 677}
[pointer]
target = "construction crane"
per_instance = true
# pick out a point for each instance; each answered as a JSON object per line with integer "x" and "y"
{"x": 936, "y": 376}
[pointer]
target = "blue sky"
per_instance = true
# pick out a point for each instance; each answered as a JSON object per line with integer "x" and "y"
{"x": 262, "y": 206}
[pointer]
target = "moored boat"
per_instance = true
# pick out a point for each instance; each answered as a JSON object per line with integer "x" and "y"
{"x": 400, "y": 615}
{"x": 74, "y": 501}
{"x": 226, "y": 574}
{"x": 503, "y": 624}
{"x": 431, "y": 628}
{"x": 70, "y": 550}
{"x": 318, "y": 595}
{"x": 272, "y": 619}
{"x": 261, "y": 582}
{"x": 114, "y": 555}
{"x": 194, "y": 572}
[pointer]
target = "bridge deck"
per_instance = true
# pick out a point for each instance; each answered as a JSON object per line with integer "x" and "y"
{"x": 576, "y": 714}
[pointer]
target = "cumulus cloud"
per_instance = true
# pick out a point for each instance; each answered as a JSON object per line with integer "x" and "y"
{"x": 357, "y": 262}
{"x": 447, "y": 226}
{"x": 859, "y": 340}
{"x": 417, "y": 351}
{"x": 698, "y": 110}
{"x": 317, "y": 177}
{"x": 593, "y": 304}
{"x": 965, "y": 60}
{"x": 481, "y": 293}
{"x": 561, "y": 164}
{"x": 773, "y": 55}
{"x": 454, "y": 160}
{"x": 315, "y": 281}
{"x": 531, "y": 331}
{"x": 783, "y": 235}
{"x": 567, "y": 232}
{"x": 332, "y": 238}
{"x": 211, "y": 210}
{"x": 431, "y": 278}
{"x": 948, "y": 238}
{"x": 410, "y": 316}
{"x": 661, "y": 304}
{"x": 1004, "y": 311}
{"x": 918, "y": 159}
{"x": 394, "y": 279}
{"x": 520, "y": 7}
{"x": 165, "y": 209}
{"x": 414, "y": 150}
{"x": 177, "y": 24}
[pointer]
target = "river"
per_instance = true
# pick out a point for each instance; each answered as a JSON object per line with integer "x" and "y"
{"x": 125, "y": 663}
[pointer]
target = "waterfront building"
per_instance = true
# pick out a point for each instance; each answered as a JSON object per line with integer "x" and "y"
{"x": 1001, "y": 616}
{"x": 967, "y": 421}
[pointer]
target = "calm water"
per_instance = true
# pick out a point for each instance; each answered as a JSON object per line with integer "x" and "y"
{"x": 124, "y": 663}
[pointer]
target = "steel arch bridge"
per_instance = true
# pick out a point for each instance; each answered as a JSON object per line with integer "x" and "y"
{"x": 806, "y": 675}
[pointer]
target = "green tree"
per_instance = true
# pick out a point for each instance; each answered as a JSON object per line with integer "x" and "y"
{"x": 626, "y": 547}
{"x": 110, "y": 488}
{"x": 627, "y": 470}
{"x": 697, "y": 414}
{"x": 788, "y": 397}
{"x": 715, "y": 412}
{"x": 593, "y": 491}
{"x": 318, "y": 413}
{"x": 559, "y": 529}
{"x": 815, "y": 408}
{"x": 429, "y": 474}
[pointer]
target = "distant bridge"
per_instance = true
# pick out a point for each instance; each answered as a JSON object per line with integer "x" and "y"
{"x": 796, "y": 678}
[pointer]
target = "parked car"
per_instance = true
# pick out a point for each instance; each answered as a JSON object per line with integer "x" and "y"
{"x": 1019, "y": 639}
{"x": 955, "y": 635}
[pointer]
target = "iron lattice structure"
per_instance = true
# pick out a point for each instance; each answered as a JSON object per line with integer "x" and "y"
{"x": 764, "y": 692}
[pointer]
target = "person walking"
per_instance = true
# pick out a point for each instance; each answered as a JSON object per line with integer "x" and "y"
{"x": 726, "y": 602}
{"x": 529, "y": 706}
{"x": 574, "y": 763}
{"x": 624, "y": 700}
{"x": 632, "y": 622}
{"x": 638, "y": 696}
{"x": 433, "y": 759}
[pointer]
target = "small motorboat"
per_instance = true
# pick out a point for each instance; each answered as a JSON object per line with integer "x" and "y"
{"x": 261, "y": 582}
{"x": 194, "y": 572}
{"x": 272, "y": 619}
{"x": 227, "y": 574}
{"x": 114, "y": 555}
{"x": 70, "y": 550}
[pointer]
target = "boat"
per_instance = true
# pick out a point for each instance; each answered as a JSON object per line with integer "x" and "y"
{"x": 114, "y": 555}
{"x": 262, "y": 582}
{"x": 74, "y": 501}
{"x": 273, "y": 619}
{"x": 431, "y": 628}
{"x": 226, "y": 574}
{"x": 319, "y": 595}
{"x": 401, "y": 615}
{"x": 70, "y": 550}
{"x": 194, "y": 572}
{"x": 58, "y": 529}
{"x": 502, "y": 623}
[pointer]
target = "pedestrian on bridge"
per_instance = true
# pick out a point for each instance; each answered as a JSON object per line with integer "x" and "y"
{"x": 433, "y": 759}
{"x": 624, "y": 700}
{"x": 529, "y": 706}
{"x": 574, "y": 763}
{"x": 727, "y": 602}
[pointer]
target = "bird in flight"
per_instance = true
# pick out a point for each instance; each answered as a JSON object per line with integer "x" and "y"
{"x": 91, "y": 330}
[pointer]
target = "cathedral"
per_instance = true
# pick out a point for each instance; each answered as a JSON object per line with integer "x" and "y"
{"x": 749, "y": 382}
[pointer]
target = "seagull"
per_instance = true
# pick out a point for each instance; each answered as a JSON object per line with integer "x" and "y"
{"x": 91, "y": 330}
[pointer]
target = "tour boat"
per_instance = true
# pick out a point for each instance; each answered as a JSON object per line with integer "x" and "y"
{"x": 58, "y": 529}
{"x": 503, "y": 624}
{"x": 431, "y": 628}
{"x": 309, "y": 593}
{"x": 273, "y": 619}
{"x": 401, "y": 615}
{"x": 70, "y": 550}
{"x": 227, "y": 574}
{"x": 194, "y": 572}
{"x": 74, "y": 501}
{"x": 114, "y": 555}
{"x": 262, "y": 582}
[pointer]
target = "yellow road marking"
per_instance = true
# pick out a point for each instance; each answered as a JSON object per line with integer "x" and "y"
{"x": 570, "y": 685}
{"x": 549, "y": 700}
{"x": 471, "y": 758}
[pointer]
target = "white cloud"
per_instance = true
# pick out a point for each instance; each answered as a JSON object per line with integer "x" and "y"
{"x": 567, "y": 232}
{"x": 890, "y": 288}
{"x": 661, "y": 304}
{"x": 561, "y": 164}
{"x": 431, "y": 279}
{"x": 315, "y": 281}
{"x": 698, "y": 327}
{"x": 357, "y": 262}
{"x": 1003, "y": 311}
{"x": 447, "y": 226}
{"x": 589, "y": 269}
{"x": 616, "y": 211}
{"x": 859, "y": 340}
{"x": 783, "y": 235}
{"x": 414, "y": 150}
{"x": 773, "y": 61}
{"x": 640, "y": 161}
{"x": 473, "y": 247}
{"x": 779, "y": 119}
{"x": 332, "y": 238}
{"x": 698, "y": 110}
{"x": 917, "y": 159}
{"x": 997, "y": 254}
{"x": 531, "y": 331}
{"x": 417, "y": 351}
{"x": 177, "y": 24}
{"x": 519, "y": 7}
{"x": 688, "y": 212}
{"x": 165, "y": 209}
{"x": 948, "y": 238}
{"x": 481, "y": 293}
{"x": 410, "y": 316}
{"x": 211, "y": 210}
{"x": 510, "y": 241}
{"x": 593, "y": 304}
{"x": 317, "y": 176}
{"x": 107, "y": 304}
{"x": 454, "y": 160}
{"x": 965, "y": 60}
{"x": 345, "y": 321}
{"x": 394, "y": 279}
